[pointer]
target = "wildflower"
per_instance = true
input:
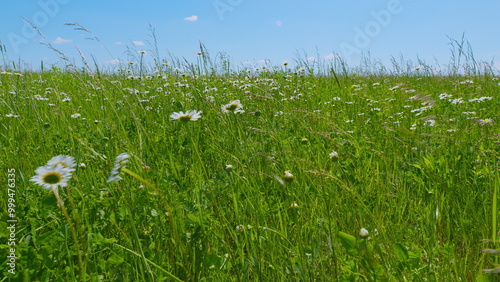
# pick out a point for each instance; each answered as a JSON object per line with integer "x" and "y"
{"x": 11, "y": 115}
{"x": 120, "y": 162}
{"x": 67, "y": 162}
{"x": 444, "y": 96}
{"x": 229, "y": 168}
{"x": 142, "y": 52}
{"x": 288, "y": 176}
{"x": 334, "y": 154}
{"x": 429, "y": 122}
{"x": 76, "y": 115}
{"x": 187, "y": 116}
{"x": 485, "y": 121}
{"x": 240, "y": 227}
{"x": 481, "y": 99}
{"x": 457, "y": 101}
{"x": 363, "y": 233}
{"x": 82, "y": 165}
{"x": 304, "y": 140}
{"x": 50, "y": 177}
{"x": 146, "y": 167}
{"x": 234, "y": 106}
{"x": 210, "y": 99}
{"x": 294, "y": 205}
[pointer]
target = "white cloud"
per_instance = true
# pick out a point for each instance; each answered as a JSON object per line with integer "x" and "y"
{"x": 331, "y": 56}
{"x": 193, "y": 18}
{"x": 118, "y": 43}
{"x": 60, "y": 40}
{"x": 279, "y": 23}
{"x": 311, "y": 59}
{"x": 113, "y": 62}
{"x": 138, "y": 43}
{"x": 262, "y": 62}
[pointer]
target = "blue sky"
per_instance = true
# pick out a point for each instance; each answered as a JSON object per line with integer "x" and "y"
{"x": 251, "y": 31}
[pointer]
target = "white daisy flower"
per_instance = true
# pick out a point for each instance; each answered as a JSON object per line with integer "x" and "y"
{"x": 429, "y": 122}
{"x": 234, "y": 106}
{"x": 334, "y": 154}
{"x": 67, "y": 162}
{"x": 288, "y": 176}
{"x": 50, "y": 177}
{"x": 75, "y": 115}
{"x": 187, "y": 116}
{"x": 120, "y": 162}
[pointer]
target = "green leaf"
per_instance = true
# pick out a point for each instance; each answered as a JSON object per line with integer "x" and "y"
{"x": 401, "y": 252}
{"x": 115, "y": 259}
{"x": 349, "y": 243}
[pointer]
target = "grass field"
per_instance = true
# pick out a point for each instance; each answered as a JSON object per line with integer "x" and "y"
{"x": 287, "y": 174}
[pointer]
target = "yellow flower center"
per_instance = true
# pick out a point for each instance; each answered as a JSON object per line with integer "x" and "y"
{"x": 52, "y": 178}
{"x": 185, "y": 118}
{"x": 232, "y": 107}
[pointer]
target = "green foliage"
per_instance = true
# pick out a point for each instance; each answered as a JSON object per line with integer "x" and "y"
{"x": 420, "y": 171}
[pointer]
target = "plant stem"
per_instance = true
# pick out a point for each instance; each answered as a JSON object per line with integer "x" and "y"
{"x": 73, "y": 232}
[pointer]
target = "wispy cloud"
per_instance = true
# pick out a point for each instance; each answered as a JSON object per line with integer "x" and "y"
{"x": 331, "y": 56}
{"x": 193, "y": 18}
{"x": 118, "y": 43}
{"x": 113, "y": 62}
{"x": 138, "y": 43}
{"x": 60, "y": 40}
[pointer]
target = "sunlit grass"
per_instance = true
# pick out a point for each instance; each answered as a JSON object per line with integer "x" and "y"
{"x": 278, "y": 191}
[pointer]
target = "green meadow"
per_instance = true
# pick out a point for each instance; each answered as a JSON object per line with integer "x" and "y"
{"x": 312, "y": 172}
